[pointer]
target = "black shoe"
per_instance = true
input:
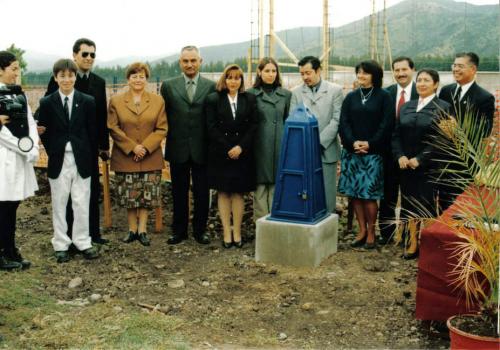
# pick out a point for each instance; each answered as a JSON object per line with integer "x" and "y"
{"x": 370, "y": 246}
{"x": 8, "y": 265}
{"x": 132, "y": 236}
{"x": 90, "y": 253}
{"x": 62, "y": 256}
{"x": 16, "y": 256}
{"x": 385, "y": 240}
{"x": 410, "y": 256}
{"x": 227, "y": 245}
{"x": 358, "y": 243}
{"x": 202, "y": 238}
{"x": 143, "y": 239}
{"x": 238, "y": 244}
{"x": 176, "y": 239}
{"x": 99, "y": 240}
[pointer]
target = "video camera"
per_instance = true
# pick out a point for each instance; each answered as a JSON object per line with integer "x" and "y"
{"x": 14, "y": 105}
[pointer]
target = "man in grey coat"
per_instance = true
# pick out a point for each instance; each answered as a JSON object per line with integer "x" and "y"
{"x": 324, "y": 99}
{"x": 186, "y": 147}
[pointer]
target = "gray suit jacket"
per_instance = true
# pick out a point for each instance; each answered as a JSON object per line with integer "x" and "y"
{"x": 187, "y": 136}
{"x": 325, "y": 105}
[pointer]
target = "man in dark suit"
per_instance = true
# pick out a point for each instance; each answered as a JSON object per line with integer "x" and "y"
{"x": 403, "y": 91}
{"x": 186, "y": 148}
{"x": 465, "y": 96}
{"x": 93, "y": 85}
{"x": 69, "y": 139}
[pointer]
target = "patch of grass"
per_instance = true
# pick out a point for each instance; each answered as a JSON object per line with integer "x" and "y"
{"x": 31, "y": 319}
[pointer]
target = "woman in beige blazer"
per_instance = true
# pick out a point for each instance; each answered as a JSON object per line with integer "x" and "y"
{"x": 138, "y": 124}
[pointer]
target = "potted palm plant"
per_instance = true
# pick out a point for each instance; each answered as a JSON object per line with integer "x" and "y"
{"x": 476, "y": 265}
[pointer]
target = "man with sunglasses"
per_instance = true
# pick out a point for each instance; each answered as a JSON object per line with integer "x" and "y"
{"x": 89, "y": 83}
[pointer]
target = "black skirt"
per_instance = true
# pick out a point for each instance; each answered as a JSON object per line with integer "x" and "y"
{"x": 233, "y": 176}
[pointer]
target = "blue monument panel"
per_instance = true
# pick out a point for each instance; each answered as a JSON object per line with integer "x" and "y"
{"x": 299, "y": 194}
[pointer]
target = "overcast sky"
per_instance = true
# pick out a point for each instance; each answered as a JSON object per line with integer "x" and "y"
{"x": 124, "y": 28}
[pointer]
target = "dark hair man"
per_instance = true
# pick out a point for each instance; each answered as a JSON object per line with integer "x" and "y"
{"x": 403, "y": 91}
{"x": 84, "y": 53}
{"x": 465, "y": 96}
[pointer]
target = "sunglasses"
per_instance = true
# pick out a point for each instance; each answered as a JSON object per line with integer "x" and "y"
{"x": 85, "y": 54}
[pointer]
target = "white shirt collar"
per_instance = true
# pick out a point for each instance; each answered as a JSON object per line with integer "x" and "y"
{"x": 424, "y": 102}
{"x": 465, "y": 88}
{"x": 233, "y": 102}
{"x": 407, "y": 90}
{"x": 70, "y": 96}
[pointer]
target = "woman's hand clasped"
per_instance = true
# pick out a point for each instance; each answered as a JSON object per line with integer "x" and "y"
{"x": 234, "y": 153}
{"x": 139, "y": 152}
{"x": 361, "y": 147}
{"x": 403, "y": 162}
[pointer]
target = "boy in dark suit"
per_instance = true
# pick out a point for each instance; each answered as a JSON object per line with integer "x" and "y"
{"x": 84, "y": 51}
{"x": 69, "y": 119}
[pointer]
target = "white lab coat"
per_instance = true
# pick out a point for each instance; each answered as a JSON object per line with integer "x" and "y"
{"x": 17, "y": 175}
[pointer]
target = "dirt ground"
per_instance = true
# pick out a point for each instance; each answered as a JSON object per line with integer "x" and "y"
{"x": 226, "y": 300}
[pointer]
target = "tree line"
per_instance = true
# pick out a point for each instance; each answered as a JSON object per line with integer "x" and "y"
{"x": 164, "y": 70}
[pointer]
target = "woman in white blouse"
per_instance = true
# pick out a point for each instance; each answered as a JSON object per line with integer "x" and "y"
{"x": 18, "y": 180}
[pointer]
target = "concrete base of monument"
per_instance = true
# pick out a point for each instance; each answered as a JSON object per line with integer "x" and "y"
{"x": 295, "y": 244}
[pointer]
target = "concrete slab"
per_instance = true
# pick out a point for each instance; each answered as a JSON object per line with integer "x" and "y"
{"x": 293, "y": 244}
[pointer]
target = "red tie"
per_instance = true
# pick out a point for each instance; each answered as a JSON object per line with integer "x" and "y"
{"x": 401, "y": 102}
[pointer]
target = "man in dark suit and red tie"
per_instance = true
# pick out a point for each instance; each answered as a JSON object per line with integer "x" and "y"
{"x": 403, "y": 91}
{"x": 84, "y": 53}
{"x": 465, "y": 96}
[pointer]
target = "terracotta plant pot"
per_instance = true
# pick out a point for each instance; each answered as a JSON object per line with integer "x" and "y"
{"x": 463, "y": 340}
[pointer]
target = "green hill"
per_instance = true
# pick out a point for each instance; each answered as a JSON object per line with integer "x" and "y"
{"x": 416, "y": 28}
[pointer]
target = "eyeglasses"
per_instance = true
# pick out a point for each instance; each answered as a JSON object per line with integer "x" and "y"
{"x": 85, "y": 54}
{"x": 459, "y": 66}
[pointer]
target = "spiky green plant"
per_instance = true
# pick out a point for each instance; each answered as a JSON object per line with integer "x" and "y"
{"x": 468, "y": 156}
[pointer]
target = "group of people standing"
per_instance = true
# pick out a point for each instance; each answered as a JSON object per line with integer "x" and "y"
{"x": 220, "y": 136}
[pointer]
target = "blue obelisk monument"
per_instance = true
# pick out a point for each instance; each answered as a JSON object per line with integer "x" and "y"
{"x": 299, "y": 231}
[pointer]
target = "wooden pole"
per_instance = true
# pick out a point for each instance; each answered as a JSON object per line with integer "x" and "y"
{"x": 249, "y": 67}
{"x": 272, "y": 51}
{"x": 326, "y": 41}
{"x": 106, "y": 194}
{"x": 261, "y": 29}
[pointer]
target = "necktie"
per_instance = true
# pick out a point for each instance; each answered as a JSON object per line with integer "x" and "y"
{"x": 66, "y": 107}
{"x": 190, "y": 90}
{"x": 233, "y": 107}
{"x": 458, "y": 93}
{"x": 401, "y": 102}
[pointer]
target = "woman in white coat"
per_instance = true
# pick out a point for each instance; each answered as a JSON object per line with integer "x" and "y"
{"x": 18, "y": 180}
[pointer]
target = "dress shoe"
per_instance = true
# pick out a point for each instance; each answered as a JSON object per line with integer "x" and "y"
{"x": 410, "y": 256}
{"x": 227, "y": 245}
{"x": 16, "y": 256}
{"x": 132, "y": 236}
{"x": 62, "y": 256}
{"x": 143, "y": 239}
{"x": 358, "y": 242}
{"x": 385, "y": 240}
{"x": 370, "y": 246}
{"x": 238, "y": 244}
{"x": 202, "y": 238}
{"x": 99, "y": 240}
{"x": 90, "y": 253}
{"x": 176, "y": 239}
{"x": 8, "y": 265}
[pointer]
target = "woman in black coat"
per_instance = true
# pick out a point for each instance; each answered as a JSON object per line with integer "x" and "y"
{"x": 412, "y": 148}
{"x": 231, "y": 121}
